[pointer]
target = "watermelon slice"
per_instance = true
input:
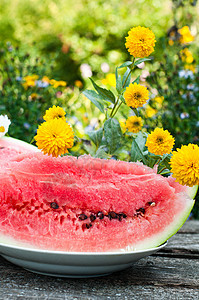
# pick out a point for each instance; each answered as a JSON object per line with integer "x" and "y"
{"x": 10, "y": 147}
{"x": 88, "y": 204}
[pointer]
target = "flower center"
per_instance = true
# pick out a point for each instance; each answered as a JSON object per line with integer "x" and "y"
{"x": 159, "y": 140}
{"x": 137, "y": 96}
{"x": 136, "y": 123}
{"x": 2, "y": 129}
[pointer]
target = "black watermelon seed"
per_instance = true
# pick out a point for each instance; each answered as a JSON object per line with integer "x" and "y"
{"x": 112, "y": 215}
{"x": 123, "y": 215}
{"x": 92, "y": 217}
{"x": 120, "y": 217}
{"x": 2, "y": 148}
{"x": 54, "y": 205}
{"x": 88, "y": 225}
{"x": 82, "y": 217}
{"x": 142, "y": 210}
{"x": 100, "y": 215}
{"x": 151, "y": 203}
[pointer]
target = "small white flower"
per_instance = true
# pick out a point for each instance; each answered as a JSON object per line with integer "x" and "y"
{"x": 190, "y": 86}
{"x": 185, "y": 74}
{"x": 184, "y": 115}
{"x": 4, "y": 125}
{"x": 85, "y": 70}
{"x": 105, "y": 67}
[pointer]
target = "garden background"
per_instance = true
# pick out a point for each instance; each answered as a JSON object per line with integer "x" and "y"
{"x": 49, "y": 49}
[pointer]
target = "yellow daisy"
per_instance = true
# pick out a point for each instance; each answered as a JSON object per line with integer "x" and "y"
{"x": 136, "y": 95}
{"x": 134, "y": 124}
{"x": 185, "y": 165}
{"x": 55, "y": 112}
{"x": 160, "y": 141}
{"x": 185, "y": 35}
{"x": 140, "y": 41}
{"x": 54, "y": 137}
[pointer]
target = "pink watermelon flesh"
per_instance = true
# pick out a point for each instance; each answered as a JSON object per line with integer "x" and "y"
{"x": 10, "y": 147}
{"x": 88, "y": 204}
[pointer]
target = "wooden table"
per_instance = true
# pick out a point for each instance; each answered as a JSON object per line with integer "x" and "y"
{"x": 172, "y": 273}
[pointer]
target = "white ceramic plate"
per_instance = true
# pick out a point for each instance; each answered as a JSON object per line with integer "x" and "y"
{"x": 72, "y": 264}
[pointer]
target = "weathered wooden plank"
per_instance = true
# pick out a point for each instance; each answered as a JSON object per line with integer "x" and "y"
{"x": 151, "y": 271}
{"x": 191, "y": 226}
{"x": 136, "y": 293}
{"x": 181, "y": 245}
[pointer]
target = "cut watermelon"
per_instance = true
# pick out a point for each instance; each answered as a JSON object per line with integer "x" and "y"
{"x": 88, "y": 204}
{"x": 10, "y": 147}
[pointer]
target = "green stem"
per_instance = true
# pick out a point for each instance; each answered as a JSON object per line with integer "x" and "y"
{"x": 116, "y": 102}
{"x": 113, "y": 112}
{"x": 135, "y": 111}
{"x": 117, "y": 109}
{"x": 131, "y": 69}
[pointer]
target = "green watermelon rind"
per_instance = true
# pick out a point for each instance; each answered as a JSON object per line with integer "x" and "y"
{"x": 173, "y": 227}
{"x": 192, "y": 191}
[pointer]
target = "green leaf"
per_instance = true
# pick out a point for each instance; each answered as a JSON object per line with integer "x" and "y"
{"x": 95, "y": 99}
{"x": 103, "y": 93}
{"x": 165, "y": 161}
{"x": 116, "y": 73}
{"x": 100, "y": 153}
{"x": 139, "y": 61}
{"x": 137, "y": 80}
{"x": 112, "y": 134}
{"x": 126, "y": 64}
{"x": 141, "y": 141}
{"x": 126, "y": 74}
{"x": 119, "y": 84}
{"x": 96, "y": 136}
{"x": 136, "y": 153}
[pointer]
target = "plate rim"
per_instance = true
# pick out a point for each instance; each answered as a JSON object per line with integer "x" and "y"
{"x": 108, "y": 253}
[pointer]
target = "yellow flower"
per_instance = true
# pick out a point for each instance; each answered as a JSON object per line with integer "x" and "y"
{"x": 78, "y": 84}
{"x": 186, "y": 56}
{"x": 134, "y": 124}
{"x": 140, "y": 41}
{"x": 56, "y": 83}
{"x": 28, "y": 83}
{"x": 191, "y": 68}
{"x": 31, "y": 77}
{"x": 136, "y": 95}
{"x": 171, "y": 42}
{"x": 110, "y": 80}
{"x": 186, "y": 36}
{"x": 54, "y": 137}
{"x": 185, "y": 165}
{"x": 55, "y": 112}
{"x": 123, "y": 126}
{"x": 150, "y": 111}
{"x": 160, "y": 141}
{"x": 159, "y": 99}
{"x": 45, "y": 79}
{"x": 33, "y": 96}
